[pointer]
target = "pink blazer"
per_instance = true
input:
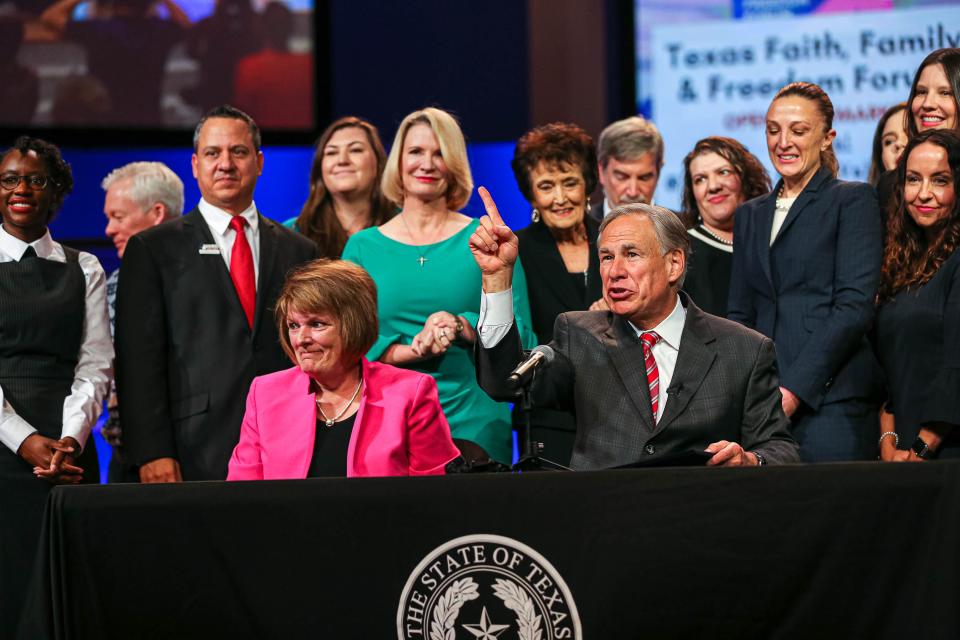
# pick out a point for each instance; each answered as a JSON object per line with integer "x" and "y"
{"x": 400, "y": 428}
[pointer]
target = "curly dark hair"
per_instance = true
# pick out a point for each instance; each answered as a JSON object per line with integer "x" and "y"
{"x": 61, "y": 177}
{"x": 317, "y": 219}
{"x": 949, "y": 59}
{"x": 754, "y": 180}
{"x": 910, "y": 260}
{"x": 554, "y": 144}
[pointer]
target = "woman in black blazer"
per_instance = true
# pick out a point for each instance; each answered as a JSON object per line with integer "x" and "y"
{"x": 556, "y": 170}
{"x": 718, "y": 176}
{"x": 918, "y": 320}
{"x": 805, "y": 274}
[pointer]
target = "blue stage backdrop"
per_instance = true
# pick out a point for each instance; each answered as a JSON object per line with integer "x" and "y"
{"x": 281, "y": 191}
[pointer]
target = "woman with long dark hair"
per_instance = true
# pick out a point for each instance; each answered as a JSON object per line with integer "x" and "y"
{"x": 345, "y": 195}
{"x": 918, "y": 320}
{"x": 934, "y": 103}
{"x": 889, "y": 140}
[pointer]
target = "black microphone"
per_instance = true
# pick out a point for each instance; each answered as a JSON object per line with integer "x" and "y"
{"x": 539, "y": 357}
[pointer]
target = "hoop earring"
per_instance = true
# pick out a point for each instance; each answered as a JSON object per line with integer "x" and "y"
{"x": 535, "y": 216}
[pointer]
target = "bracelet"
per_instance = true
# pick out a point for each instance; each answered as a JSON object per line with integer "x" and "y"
{"x": 896, "y": 438}
{"x": 458, "y": 328}
{"x": 761, "y": 461}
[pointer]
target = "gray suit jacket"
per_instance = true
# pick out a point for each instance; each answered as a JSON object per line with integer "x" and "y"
{"x": 725, "y": 387}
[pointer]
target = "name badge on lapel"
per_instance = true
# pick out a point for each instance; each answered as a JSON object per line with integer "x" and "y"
{"x": 209, "y": 250}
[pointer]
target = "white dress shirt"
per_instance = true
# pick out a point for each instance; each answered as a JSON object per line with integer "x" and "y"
{"x": 223, "y": 234}
{"x": 496, "y": 317}
{"x": 666, "y": 349}
{"x": 94, "y": 371}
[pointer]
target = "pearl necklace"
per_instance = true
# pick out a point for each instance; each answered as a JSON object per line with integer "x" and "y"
{"x": 782, "y": 205}
{"x": 703, "y": 228}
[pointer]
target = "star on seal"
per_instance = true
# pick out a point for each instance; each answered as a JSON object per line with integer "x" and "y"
{"x": 485, "y": 630}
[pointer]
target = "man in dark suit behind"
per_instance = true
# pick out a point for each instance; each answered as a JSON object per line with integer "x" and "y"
{"x": 194, "y": 320}
{"x": 652, "y": 377}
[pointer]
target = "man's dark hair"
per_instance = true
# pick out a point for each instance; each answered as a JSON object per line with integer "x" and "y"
{"x": 226, "y": 111}
{"x": 61, "y": 177}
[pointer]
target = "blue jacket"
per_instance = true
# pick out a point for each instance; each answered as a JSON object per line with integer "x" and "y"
{"x": 813, "y": 290}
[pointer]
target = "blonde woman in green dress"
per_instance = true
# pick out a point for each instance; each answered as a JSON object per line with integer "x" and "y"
{"x": 427, "y": 280}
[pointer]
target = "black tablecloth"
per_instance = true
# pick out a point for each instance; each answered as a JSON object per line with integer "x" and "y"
{"x": 853, "y": 551}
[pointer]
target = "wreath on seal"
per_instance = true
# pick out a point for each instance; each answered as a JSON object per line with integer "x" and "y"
{"x": 517, "y": 600}
{"x": 448, "y": 606}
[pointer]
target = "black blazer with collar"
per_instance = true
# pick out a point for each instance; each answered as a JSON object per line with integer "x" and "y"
{"x": 185, "y": 353}
{"x": 549, "y": 285}
{"x": 724, "y": 387}
{"x": 813, "y": 291}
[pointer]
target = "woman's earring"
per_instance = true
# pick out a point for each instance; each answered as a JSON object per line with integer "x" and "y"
{"x": 588, "y": 207}
{"x": 535, "y": 216}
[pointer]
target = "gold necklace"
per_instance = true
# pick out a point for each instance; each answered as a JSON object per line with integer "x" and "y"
{"x": 330, "y": 421}
{"x": 423, "y": 257}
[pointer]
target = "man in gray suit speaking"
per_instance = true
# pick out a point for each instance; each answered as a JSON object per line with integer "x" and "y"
{"x": 654, "y": 376}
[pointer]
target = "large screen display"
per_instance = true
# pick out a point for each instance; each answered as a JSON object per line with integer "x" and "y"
{"x": 711, "y": 67}
{"x": 156, "y": 64}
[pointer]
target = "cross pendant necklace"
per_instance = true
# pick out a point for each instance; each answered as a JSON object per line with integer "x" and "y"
{"x": 423, "y": 258}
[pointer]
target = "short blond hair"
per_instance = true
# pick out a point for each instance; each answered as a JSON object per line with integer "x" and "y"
{"x": 452, "y": 146}
{"x": 338, "y": 287}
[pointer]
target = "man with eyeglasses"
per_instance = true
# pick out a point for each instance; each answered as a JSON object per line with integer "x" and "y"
{"x": 194, "y": 322}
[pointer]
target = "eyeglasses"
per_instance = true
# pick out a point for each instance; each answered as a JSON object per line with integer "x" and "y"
{"x": 11, "y": 181}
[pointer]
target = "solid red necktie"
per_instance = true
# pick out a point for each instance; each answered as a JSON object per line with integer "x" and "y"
{"x": 241, "y": 269}
{"x": 649, "y": 338}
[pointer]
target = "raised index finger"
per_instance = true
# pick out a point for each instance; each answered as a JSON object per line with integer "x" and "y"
{"x": 490, "y": 206}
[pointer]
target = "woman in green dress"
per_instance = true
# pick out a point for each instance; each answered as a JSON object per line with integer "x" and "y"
{"x": 428, "y": 282}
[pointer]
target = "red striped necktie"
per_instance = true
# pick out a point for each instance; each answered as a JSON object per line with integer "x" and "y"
{"x": 649, "y": 338}
{"x": 241, "y": 269}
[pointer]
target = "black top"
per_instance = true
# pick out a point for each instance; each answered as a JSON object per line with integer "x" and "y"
{"x": 708, "y": 271}
{"x": 330, "y": 449}
{"x": 918, "y": 343}
{"x": 551, "y": 288}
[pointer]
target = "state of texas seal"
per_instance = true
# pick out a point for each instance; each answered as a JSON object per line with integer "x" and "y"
{"x": 487, "y": 587}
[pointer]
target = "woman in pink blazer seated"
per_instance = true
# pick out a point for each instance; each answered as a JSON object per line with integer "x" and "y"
{"x": 335, "y": 413}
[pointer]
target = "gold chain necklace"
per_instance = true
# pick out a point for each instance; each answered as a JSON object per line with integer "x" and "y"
{"x": 330, "y": 421}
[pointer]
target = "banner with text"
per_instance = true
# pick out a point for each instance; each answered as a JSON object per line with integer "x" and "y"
{"x": 718, "y": 78}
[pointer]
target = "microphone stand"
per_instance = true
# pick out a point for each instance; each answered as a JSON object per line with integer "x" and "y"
{"x": 530, "y": 459}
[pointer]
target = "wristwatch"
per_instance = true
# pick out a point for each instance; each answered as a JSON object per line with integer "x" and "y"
{"x": 921, "y": 449}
